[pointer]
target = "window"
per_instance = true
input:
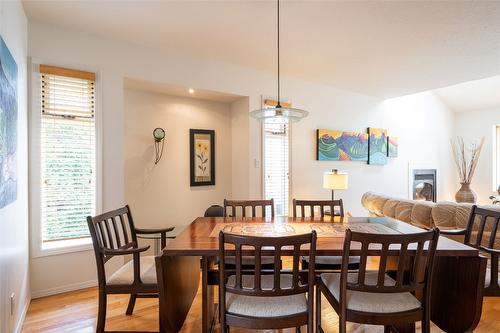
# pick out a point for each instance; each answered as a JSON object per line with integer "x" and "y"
{"x": 276, "y": 164}
{"x": 67, "y": 153}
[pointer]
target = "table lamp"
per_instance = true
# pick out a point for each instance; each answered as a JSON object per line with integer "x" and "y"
{"x": 335, "y": 180}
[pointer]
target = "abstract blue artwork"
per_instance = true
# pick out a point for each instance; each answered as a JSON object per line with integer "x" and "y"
{"x": 8, "y": 126}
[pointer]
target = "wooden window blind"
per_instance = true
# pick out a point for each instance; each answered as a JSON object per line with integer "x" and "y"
{"x": 276, "y": 165}
{"x": 68, "y": 152}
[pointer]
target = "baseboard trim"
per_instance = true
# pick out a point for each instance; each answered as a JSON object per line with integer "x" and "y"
{"x": 63, "y": 289}
{"x": 20, "y": 322}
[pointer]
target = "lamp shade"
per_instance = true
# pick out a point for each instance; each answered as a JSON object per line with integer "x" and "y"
{"x": 335, "y": 180}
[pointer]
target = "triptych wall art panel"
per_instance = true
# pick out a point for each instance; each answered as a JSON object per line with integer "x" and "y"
{"x": 342, "y": 146}
{"x": 8, "y": 126}
{"x": 392, "y": 146}
{"x": 373, "y": 147}
{"x": 377, "y": 146}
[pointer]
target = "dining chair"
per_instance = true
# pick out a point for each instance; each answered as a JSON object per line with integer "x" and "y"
{"x": 244, "y": 204}
{"x": 248, "y": 261}
{"x": 481, "y": 233}
{"x": 114, "y": 234}
{"x": 266, "y": 301}
{"x": 374, "y": 296}
{"x": 214, "y": 211}
{"x": 307, "y": 209}
{"x": 321, "y": 204}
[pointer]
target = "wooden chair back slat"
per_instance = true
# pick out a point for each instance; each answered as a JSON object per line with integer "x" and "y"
{"x": 117, "y": 233}
{"x": 312, "y": 204}
{"x": 480, "y": 231}
{"x": 380, "y": 247}
{"x": 108, "y": 234}
{"x": 493, "y": 234}
{"x": 245, "y": 204}
{"x": 238, "y": 266}
{"x": 125, "y": 234}
{"x": 295, "y": 265}
{"x": 362, "y": 262}
{"x": 401, "y": 264}
{"x": 258, "y": 267}
{"x": 417, "y": 263}
{"x": 382, "y": 266}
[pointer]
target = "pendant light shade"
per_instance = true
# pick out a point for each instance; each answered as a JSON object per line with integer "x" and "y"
{"x": 279, "y": 114}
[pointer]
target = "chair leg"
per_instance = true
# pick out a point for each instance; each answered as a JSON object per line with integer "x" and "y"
{"x": 318, "y": 309}
{"x": 342, "y": 325}
{"x": 426, "y": 326}
{"x": 387, "y": 329}
{"x": 101, "y": 312}
{"x": 297, "y": 329}
{"x": 131, "y": 304}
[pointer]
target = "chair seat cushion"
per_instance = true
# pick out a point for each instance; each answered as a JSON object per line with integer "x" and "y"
{"x": 371, "y": 302}
{"x": 332, "y": 260}
{"x": 257, "y": 306}
{"x": 125, "y": 274}
{"x": 250, "y": 260}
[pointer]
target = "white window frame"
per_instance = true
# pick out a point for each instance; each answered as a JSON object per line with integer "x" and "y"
{"x": 36, "y": 243}
{"x": 263, "y": 153}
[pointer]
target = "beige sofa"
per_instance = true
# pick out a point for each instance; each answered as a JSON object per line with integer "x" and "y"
{"x": 425, "y": 214}
{"x": 444, "y": 214}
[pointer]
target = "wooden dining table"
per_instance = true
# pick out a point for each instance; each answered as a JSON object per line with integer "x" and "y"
{"x": 457, "y": 286}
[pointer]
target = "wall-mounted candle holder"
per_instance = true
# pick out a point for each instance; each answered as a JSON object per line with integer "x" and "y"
{"x": 159, "y": 136}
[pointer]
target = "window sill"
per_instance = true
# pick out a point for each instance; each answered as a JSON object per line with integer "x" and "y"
{"x": 63, "y": 246}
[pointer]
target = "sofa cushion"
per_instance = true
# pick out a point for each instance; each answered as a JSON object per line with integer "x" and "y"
{"x": 403, "y": 210}
{"x": 443, "y": 214}
{"x": 374, "y": 203}
{"x": 462, "y": 213}
{"x": 378, "y": 205}
{"x": 365, "y": 199}
{"x": 390, "y": 208}
{"x": 421, "y": 214}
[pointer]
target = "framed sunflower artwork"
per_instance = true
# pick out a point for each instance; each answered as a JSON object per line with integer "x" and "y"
{"x": 202, "y": 157}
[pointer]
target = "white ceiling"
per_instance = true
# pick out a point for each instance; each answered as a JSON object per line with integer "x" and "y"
{"x": 381, "y": 48}
{"x": 474, "y": 95}
{"x": 176, "y": 90}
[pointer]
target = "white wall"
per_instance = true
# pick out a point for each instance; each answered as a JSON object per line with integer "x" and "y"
{"x": 421, "y": 121}
{"x": 472, "y": 125}
{"x": 160, "y": 195}
{"x": 329, "y": 108}
{"x": 240, "y": 149}
{"x": 14, "y": 270}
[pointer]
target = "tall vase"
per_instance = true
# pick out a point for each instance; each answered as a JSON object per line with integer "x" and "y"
{"x": 465, "y": 194}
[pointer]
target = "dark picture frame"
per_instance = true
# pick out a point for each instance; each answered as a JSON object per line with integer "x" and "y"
{"x": 202, "y": 157}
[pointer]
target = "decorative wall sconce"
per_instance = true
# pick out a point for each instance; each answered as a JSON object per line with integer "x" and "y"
{"x": 159, "y": 136}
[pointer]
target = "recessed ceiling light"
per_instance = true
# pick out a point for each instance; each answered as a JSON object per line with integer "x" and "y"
{"x": 191, "y": 90}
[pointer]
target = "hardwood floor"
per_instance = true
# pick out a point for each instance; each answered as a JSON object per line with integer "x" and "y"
{"x": 76, "y": 312}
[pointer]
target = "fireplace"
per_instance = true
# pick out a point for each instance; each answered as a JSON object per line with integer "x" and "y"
{"x": 424, "y": 184}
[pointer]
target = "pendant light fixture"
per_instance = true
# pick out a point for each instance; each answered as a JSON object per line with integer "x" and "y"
{"x": 279, "y": 114}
